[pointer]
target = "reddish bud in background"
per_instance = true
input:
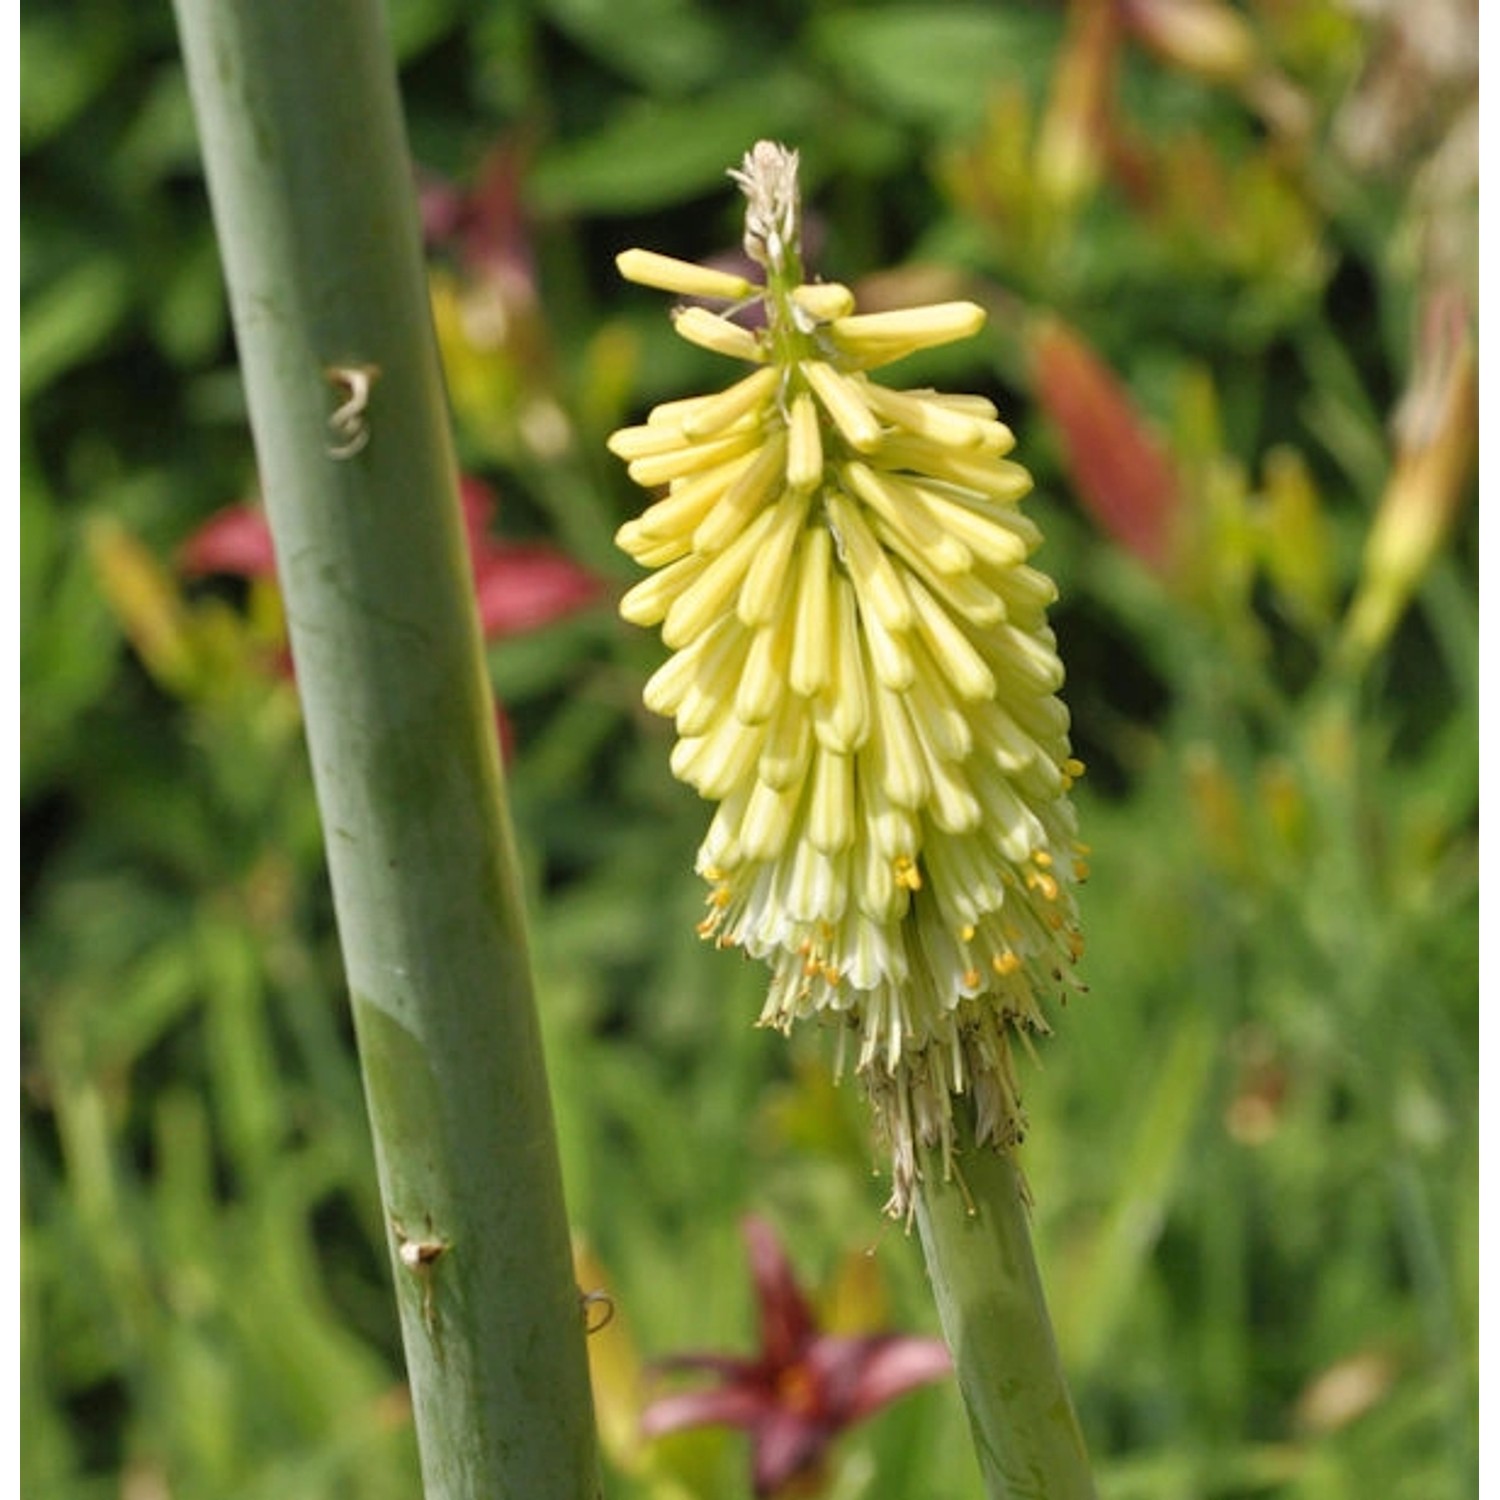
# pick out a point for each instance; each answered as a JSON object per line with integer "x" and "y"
{"x": 1436, "y": 443}
{"x": 1121, "y": 474}
{"x": 1204, "y": 37}
{"x": 484, "y": 223}
{"x": 1075, "y": 131}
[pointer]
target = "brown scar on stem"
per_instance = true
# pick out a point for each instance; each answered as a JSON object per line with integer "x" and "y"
{"x": 420, "y": 1256}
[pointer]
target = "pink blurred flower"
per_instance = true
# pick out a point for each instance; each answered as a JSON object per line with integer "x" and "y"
{"x": 804, "y": 1386}
{"x": 519, "y": 586}
{"x": 485, "y": 224}
{"x": 235, "y": 540}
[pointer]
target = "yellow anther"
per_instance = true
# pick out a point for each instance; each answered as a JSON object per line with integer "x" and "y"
{"x": 908, "y": 876}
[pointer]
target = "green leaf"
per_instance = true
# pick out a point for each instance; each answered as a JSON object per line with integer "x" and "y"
{"x": 653, "y": 153}
{"x": 417, "y": 24}
{"x": 663, "y": 45}
{"x": 936, "y": 66}
{"x": 71, "y": 321}
{"x": 64, "y": 67}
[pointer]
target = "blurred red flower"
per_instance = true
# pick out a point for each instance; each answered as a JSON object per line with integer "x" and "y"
{"x": 1121, "y": 473}
{"x": 804, "y": 1387}
{"x": 519, "y": 586}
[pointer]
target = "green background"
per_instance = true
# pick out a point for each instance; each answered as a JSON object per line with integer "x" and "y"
{"x": 1253, "y": 1147}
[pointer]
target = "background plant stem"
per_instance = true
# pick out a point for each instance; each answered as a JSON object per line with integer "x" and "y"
{"x": 976, "y": 1237}
{"x": 311, "y": 185}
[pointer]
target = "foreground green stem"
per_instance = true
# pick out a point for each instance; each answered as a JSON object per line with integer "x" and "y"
{"x": 311, "y": 186}
{"x": 977, "y": 1241}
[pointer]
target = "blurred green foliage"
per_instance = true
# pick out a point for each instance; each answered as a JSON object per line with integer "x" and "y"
{"x": 1254, "y": 1148}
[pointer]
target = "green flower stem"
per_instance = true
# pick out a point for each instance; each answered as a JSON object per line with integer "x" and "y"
{"x": 310, "y": 180}
{"x": 977, "y": 1241}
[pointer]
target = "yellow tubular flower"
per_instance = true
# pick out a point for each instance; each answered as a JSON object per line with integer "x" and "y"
{"x": 864, "y": 681}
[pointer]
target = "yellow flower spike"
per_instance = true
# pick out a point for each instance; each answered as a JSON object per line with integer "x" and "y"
{"x": 896, "y": 502}
{"x": 693, "y": 458}
{"x": 890, "y": 657}
{"x": 824, "y": 301}
{"x": 709, "y": 595}
{"x": 648, "y": 553}
{"x": 897, "y": 757}
{"x": 700, "y": 704}
{"x": 812, "y": 640}
{"x": 863, "y": 680}
{"x": 648, "y": 602}
{"x": 669, "y": 684}
{"x": 713, "y": 492}
{"x": 959, "y": 593}
{"x": 830, "y": 812}
{"x": 946, "y": 720}
{"x": 758, "y": 598}
{"x": 667, "y": 274}
{"x": 631, "y": 443}
{"x": 718, "y": 335}
{"x": 717, "y": 762}
{"x": 1000, "y": 539}
{"x": 873, "y": 339}
{"x": 841, "y": 713}
{"x": 788, "y": 745}
{"x": 981, "y": 476}
{"x": 720, "y": 411}
{"x": 764, "y": 676}
{"x": 925, "y": 418}
{"x": 844, "y": 400}
{"x": 743, "y": 498}
{"x": 670, "y": 419}
{"x": 804, "y": 456}
{"x": 768, "y": 821}
{"x": 951, "y": 649}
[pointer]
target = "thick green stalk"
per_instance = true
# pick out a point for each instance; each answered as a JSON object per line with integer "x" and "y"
{"x": 977, "y": 1241}
{"x": 312, "y": 193}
